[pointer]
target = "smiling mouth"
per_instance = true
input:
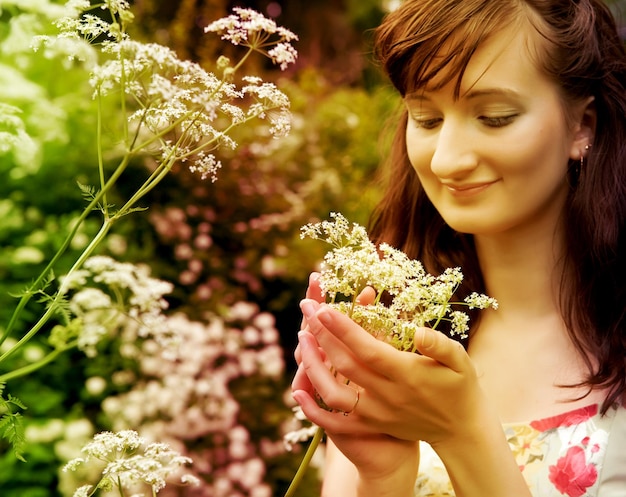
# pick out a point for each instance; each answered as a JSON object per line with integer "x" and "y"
{"x": 467, "y": 190}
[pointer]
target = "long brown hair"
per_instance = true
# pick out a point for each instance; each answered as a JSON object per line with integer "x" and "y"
{"x": 585, "y": 57}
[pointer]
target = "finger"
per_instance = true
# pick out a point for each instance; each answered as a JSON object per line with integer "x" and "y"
{"x": 326, "y": 340}
{"x": 314, "y": 291}
{"x": 336, "y": 328}
{"x": 367, "y": 296}
{"x": 298, "y": 354}
{"x": 301, "y": 381}
{"x": 332, "y": 422}
{"x": 338, "y": 353}
{"x": 335, "y": 393}
{"x": 434, "y": 344}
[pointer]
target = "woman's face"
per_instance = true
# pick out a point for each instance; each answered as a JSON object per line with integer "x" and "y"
{"x": 495, "y": 159}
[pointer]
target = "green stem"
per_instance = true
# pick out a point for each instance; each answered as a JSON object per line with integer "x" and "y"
{"x": 150, "y": 183}
{"x": 23, "y": 371}
{"x": 66, "y": 243}
{"x": 317, "y": 438}
{"x": 105, "y": 206}
{"x": 104, "y": 229}
{"x": 119, "y": 486}
{"x": 243, "y": 59}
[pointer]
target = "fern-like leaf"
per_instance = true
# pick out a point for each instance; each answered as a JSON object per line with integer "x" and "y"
{"x": 12, "y": 424}
{"x": 12, "y": 429}
{"x": 89, "y": 193}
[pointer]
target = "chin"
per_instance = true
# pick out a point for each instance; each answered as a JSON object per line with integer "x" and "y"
{"x": 462, "y": 224}
{"x": 471, "y": 226}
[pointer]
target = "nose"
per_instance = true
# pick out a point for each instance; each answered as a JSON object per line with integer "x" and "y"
{"x": 454, "y": 156}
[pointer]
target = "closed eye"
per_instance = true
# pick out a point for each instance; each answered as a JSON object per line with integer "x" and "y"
{"x": 426, "y": 123}
{"x": 497, "y": 121}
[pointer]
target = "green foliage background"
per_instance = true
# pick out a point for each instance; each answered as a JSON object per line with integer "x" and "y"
{"x": 254, "y": 210}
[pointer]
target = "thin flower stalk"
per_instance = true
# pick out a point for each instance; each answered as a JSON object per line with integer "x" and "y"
{"x": 306, "y": 461}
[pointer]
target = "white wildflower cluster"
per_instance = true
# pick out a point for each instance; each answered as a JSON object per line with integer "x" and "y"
{"x": 78, "y": 23}
{"x": 178, "y": 111}
{"x": 207, "y": 165}
{"x": 250, "y": 29}
{"x": 417, "y": 298}
{"x": 303, "y": 432}
{"x": 107, "y": 296}
{"x": 79, "y": 29}
{"x": 129, "y": 461}
{"x": 187, "y": 398}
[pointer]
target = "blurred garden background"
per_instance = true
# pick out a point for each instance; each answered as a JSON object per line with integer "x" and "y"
{"x": 231, "y": 248}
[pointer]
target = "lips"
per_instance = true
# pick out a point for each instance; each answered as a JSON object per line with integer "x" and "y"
{"x": 467, "y": 189}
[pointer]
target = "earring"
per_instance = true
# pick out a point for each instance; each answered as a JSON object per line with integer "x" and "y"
{"x": 582, "y": 158}
{"x": 578, "y": 167}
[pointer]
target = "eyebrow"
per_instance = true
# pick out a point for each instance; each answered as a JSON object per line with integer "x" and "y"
{"x": 471, "y": 94}
{"x": 505, "y": 92}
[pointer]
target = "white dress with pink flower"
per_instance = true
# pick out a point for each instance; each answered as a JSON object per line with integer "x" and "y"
{"x": 580, "y": 453}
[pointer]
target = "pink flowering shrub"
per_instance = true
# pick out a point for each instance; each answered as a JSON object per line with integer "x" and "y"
{"x": 184, "y": 397}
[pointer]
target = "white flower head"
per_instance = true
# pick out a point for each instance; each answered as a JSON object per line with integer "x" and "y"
{"x": 177, "y": 110}
{"x": 418, "y": 298}
{"x": 283, "y": 54}
{"x": 245, "y": 24}
{"x": 107, "y": 296}
{"x": 131, "y": 460}
{"x": 116, "y": 6}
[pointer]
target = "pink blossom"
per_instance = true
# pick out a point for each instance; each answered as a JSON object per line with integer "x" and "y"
{"x": 571, "y": 475}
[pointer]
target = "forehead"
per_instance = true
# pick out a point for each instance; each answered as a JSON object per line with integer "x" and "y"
{"x": 507, "y": 55}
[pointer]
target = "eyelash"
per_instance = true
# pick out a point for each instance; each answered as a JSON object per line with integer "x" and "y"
{"x": 498, "y": 122}
{"x": 491, "y": 122}
{"x": 426, "y": 123}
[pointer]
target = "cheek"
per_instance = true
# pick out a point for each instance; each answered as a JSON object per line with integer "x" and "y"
{"x": 544, "y": 157}
{"x": 420, "y": 155}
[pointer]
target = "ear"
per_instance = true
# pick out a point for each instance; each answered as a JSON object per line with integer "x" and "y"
{"x": 584, "y": 128}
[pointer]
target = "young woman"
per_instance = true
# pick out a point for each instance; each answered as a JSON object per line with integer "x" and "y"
{"x": 510, "y": 162}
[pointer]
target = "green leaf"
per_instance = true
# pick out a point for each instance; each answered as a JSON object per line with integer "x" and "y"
{"x": 11, "y": 423}
{"x": 89, "y": 193}
{"x": 12, "y": 429}
{"x": 16, "y": 402}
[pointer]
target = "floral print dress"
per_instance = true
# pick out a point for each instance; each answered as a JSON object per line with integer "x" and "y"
{"x": 579, "y": 453}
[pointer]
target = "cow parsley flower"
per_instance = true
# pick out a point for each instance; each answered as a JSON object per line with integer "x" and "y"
{"x": 250, "y": 29}
{"x": 127, "y": 465}
{"x": 169, "y": 97}
{"x": 418, "y": 298}
{"x": 104, "y": 297}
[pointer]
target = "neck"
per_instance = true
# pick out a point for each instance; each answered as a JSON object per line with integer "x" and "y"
{"x": 523, "y": 270}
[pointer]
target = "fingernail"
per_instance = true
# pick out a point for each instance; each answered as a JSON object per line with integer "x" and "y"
{"x": 307, "y": 307}
{"x": 298, "y": 396}
{"x": 428, "y": 339}
{"x": 302, "y": 340}
{"x": 325, "y": 317}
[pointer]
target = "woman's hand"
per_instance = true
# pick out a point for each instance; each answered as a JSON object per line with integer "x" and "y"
{"x": 433, "y": 397}
{"x": 376, "y": 455}
{"x": 384, "y": 465}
